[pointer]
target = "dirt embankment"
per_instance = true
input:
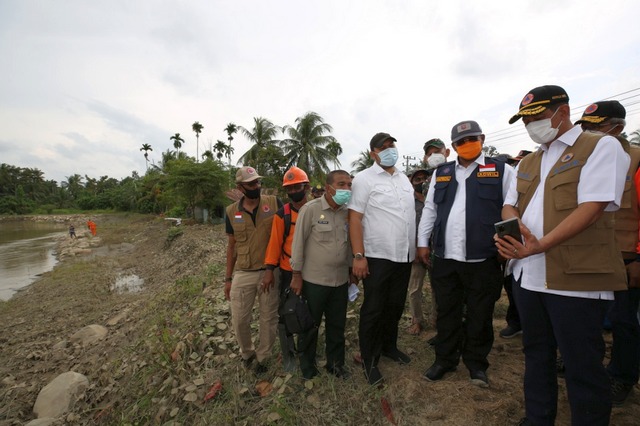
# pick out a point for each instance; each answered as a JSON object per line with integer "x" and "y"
{"x": 170, "y": 343}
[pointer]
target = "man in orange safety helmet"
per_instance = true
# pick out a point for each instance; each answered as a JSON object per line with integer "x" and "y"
{"x": 296, "y": 184}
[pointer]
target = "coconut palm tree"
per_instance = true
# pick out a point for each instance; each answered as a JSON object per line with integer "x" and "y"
{"x": 207, "y": 155}
{"x": 263, "y": 136}
{"x": 363, "y": 162}
{"x": 336, "y": 150}
{"x": 308, "y": 144}
{"x": 146, "y": 148}
{"x": 231, "y": 129}
{"x": 177, "y": 142}
{"x": 197, "y": 128}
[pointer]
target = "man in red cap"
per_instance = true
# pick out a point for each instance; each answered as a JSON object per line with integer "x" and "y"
{"x": 624, "y": 367}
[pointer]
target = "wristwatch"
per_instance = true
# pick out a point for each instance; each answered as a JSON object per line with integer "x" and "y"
{"x": 358, "y": 256}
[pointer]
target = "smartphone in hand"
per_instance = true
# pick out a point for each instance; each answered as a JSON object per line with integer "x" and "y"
{"x": 509, "y": 227}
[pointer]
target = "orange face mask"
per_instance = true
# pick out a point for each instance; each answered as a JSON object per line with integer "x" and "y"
{"x": 469, "y": 150}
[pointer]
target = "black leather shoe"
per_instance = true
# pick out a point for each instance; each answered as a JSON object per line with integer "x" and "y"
{"x": 340, "y": 372}
{"x": 479, "y": 378}
{"x": 398, "y": 356}
{"x": 260, "y": 369}
{"x": 372, "y": 374}
{"x": 247, "y": 362}
{"x": 436, "y": 372}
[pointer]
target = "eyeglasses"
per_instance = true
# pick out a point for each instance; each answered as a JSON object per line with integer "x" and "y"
{"x": 252, "y": 184}
{"x": 295, "y": 188}
{"x": 467, "y": 139}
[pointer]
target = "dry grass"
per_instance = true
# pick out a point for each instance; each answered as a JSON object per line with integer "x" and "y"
{"x": 174, "y": 342}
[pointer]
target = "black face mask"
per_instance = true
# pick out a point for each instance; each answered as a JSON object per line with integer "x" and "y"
{"x": 296, "y": 197}
{"x": 418, "y": 187}
{"x": 252, "y": 193}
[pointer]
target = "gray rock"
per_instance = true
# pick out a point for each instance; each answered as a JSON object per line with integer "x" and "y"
{"x": 89, "y": 334}
{"x": 58, "y": 396}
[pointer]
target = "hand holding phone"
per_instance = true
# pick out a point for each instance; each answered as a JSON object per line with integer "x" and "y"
{"x": 509, "y": 227}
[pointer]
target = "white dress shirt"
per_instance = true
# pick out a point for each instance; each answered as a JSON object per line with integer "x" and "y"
{"x": 456, "y": 230}
{"x": 602, "y": 179}
{"x": 389, "y": 217}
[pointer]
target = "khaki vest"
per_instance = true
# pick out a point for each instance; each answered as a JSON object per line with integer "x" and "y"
{"x": 627, "y": 217}
{"x": 589, "y": 261}
{"x": 252, "y": 240}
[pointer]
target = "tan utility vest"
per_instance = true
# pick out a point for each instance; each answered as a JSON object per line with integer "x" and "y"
{"x": 252, "y": 240}
{"x": 627, "y": 217}
{"x": 589, "y": 261}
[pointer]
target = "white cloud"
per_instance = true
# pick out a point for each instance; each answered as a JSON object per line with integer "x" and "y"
{"x": 86, "y": 84}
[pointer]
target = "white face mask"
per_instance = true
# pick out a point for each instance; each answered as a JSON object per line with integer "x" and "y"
{"x": 541, "y": 131}
{"x": 435, "y": 160}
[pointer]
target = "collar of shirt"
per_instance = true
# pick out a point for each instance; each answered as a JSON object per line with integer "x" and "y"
{"x": 379, "y": 170}
{"x": 327, "y": 206}
{"x": 568, "y": 138}
{"x": 479, "y": 160}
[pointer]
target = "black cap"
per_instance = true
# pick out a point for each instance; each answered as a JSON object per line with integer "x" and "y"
{"x": 601, "y": 111}
{"x": 465, "y": 129}
{"x": 416, "y": 171}
{"x": 435, "y": 142}
{"x": 538, "y": 99}
{"x": 379, "y": 139}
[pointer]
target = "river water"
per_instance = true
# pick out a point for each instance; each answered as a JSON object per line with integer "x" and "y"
{"x": 26, "y": 251}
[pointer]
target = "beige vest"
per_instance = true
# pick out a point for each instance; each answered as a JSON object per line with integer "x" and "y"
{"x": 589, "y": 261}
{"x": 627, "y": 217}
{"x": 252, "y": 240}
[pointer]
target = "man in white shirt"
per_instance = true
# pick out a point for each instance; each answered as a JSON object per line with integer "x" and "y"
{"x": 382, "y": 230}
{"x": 569, "y": 264}
{"x": 463, "y": 202}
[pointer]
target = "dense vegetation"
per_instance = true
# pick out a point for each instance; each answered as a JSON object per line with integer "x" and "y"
{"x": 177, "y": 184}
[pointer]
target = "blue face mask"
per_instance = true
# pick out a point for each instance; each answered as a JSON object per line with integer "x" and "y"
{"x": 342, "y": 196}
{"x": 388, "y": 157}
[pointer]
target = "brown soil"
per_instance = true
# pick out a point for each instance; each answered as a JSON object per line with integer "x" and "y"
{"x": 169, "y": 343}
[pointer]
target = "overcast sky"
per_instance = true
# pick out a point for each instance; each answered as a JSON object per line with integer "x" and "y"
{"x": 85, "y": 83}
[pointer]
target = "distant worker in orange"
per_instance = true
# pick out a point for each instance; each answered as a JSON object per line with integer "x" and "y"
{"x": 296, "y": 183}
{"x": 92, "y": 227}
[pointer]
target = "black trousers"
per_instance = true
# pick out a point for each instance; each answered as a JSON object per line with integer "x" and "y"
{"x": 574, "y": 325}
{"x": 330, "y": 302}
{"x": 476, "y": 287}
{"x": 385, "y": 294}
{"x": 512, "y": 317}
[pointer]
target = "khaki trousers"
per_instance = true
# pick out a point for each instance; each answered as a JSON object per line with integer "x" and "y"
{"x": 244, "y": 289}
{"x": 416, "y": 282}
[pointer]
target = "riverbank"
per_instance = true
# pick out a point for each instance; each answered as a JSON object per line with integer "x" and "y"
{"x": 169, "y": 344}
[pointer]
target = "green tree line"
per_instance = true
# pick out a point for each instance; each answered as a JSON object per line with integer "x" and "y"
{"x": 178, "y": 183}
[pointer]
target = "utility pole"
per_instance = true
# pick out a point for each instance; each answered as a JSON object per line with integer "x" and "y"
{"x": 406, "y": 164}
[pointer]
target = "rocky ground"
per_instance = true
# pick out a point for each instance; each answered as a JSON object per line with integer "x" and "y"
{"x": 168, "y": 356}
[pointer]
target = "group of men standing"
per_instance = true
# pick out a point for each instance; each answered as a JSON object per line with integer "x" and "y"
{"x": 381, "y": 228}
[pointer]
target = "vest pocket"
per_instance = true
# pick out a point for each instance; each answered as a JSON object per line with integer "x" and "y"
{"x": 587, "y": 259}
{"x": 240, "y": 231}
{"x": 489, "y": 189}
{"x": 243, "y": 257}
{"x": 565, "y": 188}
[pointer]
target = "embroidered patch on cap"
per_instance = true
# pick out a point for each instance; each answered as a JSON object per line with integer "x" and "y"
{"x": 527, "y": 99}
{"x": 591, "y": 109}
{"x": 463, "y": 127}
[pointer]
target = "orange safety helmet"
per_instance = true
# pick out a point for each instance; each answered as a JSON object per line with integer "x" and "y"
{"x": 294, "y": 176}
